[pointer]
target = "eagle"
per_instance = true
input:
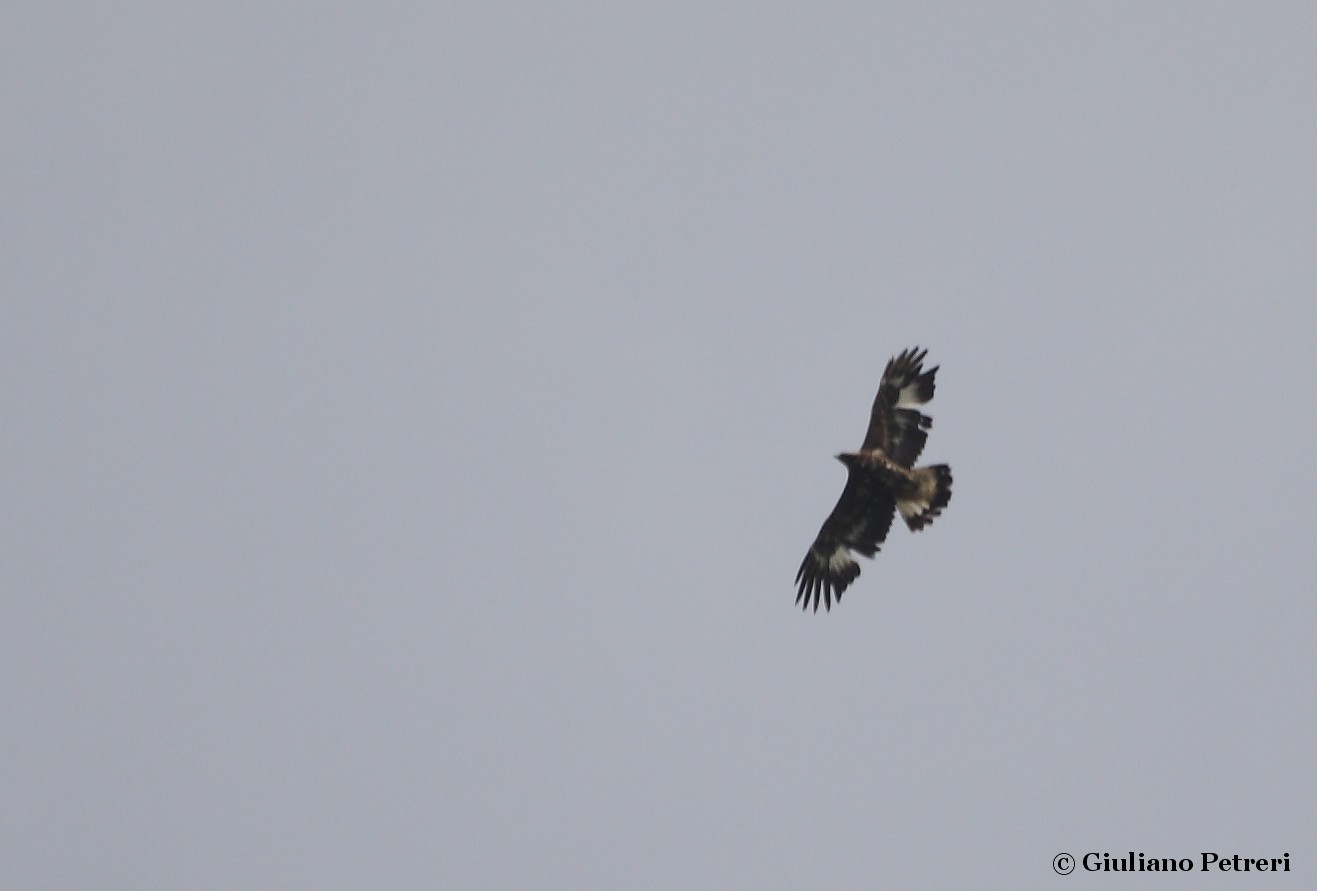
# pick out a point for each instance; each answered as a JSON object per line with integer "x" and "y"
{"x": 881, "y": 479}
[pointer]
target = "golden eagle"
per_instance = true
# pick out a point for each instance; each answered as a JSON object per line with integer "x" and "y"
{"x": 880, "y": 480}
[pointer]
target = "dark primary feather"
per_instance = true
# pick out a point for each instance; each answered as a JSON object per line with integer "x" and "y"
{"x": 860, "y": 521}
{"x": 895, "y": 428}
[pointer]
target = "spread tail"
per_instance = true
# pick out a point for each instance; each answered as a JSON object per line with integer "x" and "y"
{"x": 931, "y": 493}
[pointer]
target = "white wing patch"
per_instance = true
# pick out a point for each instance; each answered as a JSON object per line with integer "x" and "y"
{"x": 840, "y": 559}
{"x": 909, "y": 395}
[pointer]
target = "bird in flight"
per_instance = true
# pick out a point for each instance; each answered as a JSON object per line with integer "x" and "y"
{"x": 880, "y": 480}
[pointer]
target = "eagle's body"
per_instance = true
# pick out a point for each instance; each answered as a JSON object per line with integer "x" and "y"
{"x": 881, "y": 481}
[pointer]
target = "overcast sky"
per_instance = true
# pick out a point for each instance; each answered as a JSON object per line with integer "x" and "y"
{"x": 415, "y": 415}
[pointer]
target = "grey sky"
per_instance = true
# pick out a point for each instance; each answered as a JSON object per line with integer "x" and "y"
{"x": 415, "y": 417}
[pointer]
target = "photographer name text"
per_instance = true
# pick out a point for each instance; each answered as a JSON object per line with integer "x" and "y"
{"x": 1204, "y": 862}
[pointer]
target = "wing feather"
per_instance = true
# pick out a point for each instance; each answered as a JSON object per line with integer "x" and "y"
{"x": 859, "y": 523}
{"x": 896, "y": 428}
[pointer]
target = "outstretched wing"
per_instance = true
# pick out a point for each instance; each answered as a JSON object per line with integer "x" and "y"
{"x": 858, "y": 523}
{"x": 894, "y": 427}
